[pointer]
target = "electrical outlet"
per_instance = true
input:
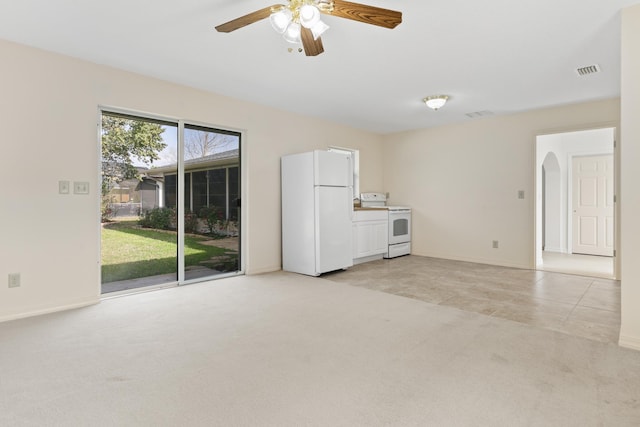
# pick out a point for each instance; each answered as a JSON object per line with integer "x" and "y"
{"x": 63, "y": 187}
{"x": 14, "y": 280}
{"x": 520, "y": 194}
{"x": 80, "y": 187}
{"x": 495, "y": 244}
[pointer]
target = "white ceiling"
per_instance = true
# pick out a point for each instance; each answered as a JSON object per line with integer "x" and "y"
{"x": 503, "y": 56}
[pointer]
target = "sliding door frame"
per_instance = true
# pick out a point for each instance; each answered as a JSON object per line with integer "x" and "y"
{"x": 180, "y": 209}
{"x": 181, "y": 123}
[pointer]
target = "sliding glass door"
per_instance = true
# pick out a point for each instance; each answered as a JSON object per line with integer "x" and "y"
{"x": 211, "y": 201}
{"x": 170, "y": 202}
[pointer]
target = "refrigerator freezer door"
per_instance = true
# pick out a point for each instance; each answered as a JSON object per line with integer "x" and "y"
{"x": 332, "y": 169}
{"x": 333, "y": 228}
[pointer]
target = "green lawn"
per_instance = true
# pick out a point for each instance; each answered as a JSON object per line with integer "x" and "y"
{"x": 129, "y": 252}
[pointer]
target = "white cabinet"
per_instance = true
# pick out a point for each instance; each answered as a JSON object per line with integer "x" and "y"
{"x": 370, "y": 234}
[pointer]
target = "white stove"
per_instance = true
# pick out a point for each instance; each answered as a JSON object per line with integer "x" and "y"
{"x": 399, "y": 223}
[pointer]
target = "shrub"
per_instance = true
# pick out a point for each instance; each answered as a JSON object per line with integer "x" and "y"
{"x": 190, "y": 222}
{"x": 107, "y": 212}
{"x": 158, "y": 218}
{"x": 213, "y": 218}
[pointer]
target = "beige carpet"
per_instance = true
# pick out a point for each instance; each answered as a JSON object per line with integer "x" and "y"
{"x": 288, "y": 350}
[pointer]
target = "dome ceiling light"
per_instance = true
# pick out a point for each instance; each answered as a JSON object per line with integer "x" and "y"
{"x": 436, "y": 102}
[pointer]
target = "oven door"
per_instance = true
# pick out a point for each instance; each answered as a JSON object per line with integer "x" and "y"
{"x": 399, "y": 226}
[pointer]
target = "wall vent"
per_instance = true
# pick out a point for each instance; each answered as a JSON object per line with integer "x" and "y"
{"x": 589, "y": 69}
{"x": 477, "y": 114}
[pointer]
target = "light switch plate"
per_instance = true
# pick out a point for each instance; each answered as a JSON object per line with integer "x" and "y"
{"x": 14, "y": 280}
{"x": 63, "y": 187}
{"x": 80, "y": 187}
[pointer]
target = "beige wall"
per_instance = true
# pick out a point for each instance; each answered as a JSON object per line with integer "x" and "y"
{"x": 630, "y": 178}
{"x": 462, "y": 181}
{"x": 49, "y": 113}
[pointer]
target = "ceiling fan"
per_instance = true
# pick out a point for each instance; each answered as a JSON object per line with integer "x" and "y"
{"x": 299, "y": 20}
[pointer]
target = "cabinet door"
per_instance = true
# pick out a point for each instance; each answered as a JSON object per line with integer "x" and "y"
{"x": 380, "y": 232}
{"x": 362, "y": 239}
{"x": 370, "y": 238}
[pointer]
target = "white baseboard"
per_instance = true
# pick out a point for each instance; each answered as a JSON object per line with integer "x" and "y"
{"x": 48, "y": 310}
{"x": 477, "y": 260}
{"x": 629, "y": 342}
{"x": 251, "y": 272}
{"x": 554, "y": 249}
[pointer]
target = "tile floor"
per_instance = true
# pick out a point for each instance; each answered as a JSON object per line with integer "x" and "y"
{"x": 584, "y": 265}
{"x": 577, "y": 305}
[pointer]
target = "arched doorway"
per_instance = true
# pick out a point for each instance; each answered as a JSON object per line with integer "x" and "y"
{"x": 555, "y": 154}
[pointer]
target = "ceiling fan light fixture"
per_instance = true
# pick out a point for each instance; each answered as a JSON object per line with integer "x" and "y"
{"x": 299, "y": 21}
{"x": 325, "y": 6}
{"x": 318, "y": 29}
{"x": 309, "y": 16}
{"x": 435, "y": 102}
{"x": 280, "y": 20}
{"x": 292, "y": 33}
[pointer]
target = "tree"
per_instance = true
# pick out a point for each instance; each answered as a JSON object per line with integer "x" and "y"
{"x": 124, "y": 140}
{"x": 200, "y": 143}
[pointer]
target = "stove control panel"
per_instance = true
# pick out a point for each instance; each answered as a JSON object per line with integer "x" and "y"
{"x": 373, "y": 199}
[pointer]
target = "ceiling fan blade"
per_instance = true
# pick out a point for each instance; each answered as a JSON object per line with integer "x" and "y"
{"x": 368, "y": 14}
{"x": 245, "y": 20}
{"x": 311, "y": 47}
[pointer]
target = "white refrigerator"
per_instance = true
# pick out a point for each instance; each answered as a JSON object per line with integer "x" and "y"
{"x": 317, "y": 212}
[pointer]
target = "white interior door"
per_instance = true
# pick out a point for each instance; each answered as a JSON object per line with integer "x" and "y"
{"x": 593, "y": 228}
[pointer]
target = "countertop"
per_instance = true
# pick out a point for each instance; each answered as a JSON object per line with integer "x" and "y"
{"x": 360, "y": 208}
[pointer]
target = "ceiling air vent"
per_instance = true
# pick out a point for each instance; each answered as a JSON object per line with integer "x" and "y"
{"x": 477, "y": 114}
{"x": 590, "y": 69}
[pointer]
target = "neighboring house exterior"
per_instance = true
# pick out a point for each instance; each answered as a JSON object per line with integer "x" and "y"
{"x": 132, "y": 196}
{"x": 209, "y": 181}
{"x": 212, "y": 180}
